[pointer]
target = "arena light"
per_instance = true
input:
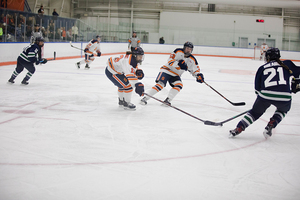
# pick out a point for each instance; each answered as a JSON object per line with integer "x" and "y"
{"x": 260, "y": 20}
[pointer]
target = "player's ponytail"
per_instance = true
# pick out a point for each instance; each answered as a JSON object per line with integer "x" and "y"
{"x": 284, "y": 66}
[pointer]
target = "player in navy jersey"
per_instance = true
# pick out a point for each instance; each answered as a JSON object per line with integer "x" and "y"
{"x": 123, "y": 71}
{"x": 180, "y": 60}
{"x": 27, "y": 58}
{"x": 272, "y": 86}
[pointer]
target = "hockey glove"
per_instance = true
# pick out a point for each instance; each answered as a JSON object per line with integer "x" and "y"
{"x": 295, "y": 85}
{"x": 139, "y": 88}
{"x": 86, "y": 50}
{"x": 139, "y": 73}
{"x": 44, "y": 61}
{"x": 200, "y": 78}
{"x": 98, "y": 54}
{"x": 182, "y": 65}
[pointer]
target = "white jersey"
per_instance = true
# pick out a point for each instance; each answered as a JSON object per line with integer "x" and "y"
{"x": 172, "y": 67}
{"x": 264, "y": 47}
{"x": 93, "y": 45}
{"x": 124, "y": 64}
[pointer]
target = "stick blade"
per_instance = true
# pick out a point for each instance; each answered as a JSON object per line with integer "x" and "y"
{"x": 207, "y": 122}
{"x": 239, "y": 104}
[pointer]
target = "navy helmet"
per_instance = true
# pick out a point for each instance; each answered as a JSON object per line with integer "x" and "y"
{"x": 138, "y": 51}
{"x": 272, "y": 54}
{"x": 190, "y": 45}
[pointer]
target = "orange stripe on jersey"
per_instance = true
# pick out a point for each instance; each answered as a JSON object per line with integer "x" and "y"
{"x": 193, "y": 59}
{"x": 180, "y": 51}
{"x": 171, "y": 62}
{"x": 117, "y": 79}
{"x": 158, "y": 77}
{"x": 131, "y": 77}
{"x": 197, "y": 71}
{"x": 138, "y": 41}
{"x": 124, "y": 86}
{"x": 166, "y": 68}
{"x": 129, "y": 41}
{"x": 110, "y": 62}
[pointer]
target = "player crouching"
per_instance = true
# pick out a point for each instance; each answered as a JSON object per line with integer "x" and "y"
{"x": 272, "y": 86}
{"x": 123, "y": 71}
{"x": 93, "y": 45}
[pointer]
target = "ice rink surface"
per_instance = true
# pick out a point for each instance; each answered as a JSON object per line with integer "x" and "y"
{"x": 64, "y": 137}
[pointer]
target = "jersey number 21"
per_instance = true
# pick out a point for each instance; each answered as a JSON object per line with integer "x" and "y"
{"x": 272, "y": 73}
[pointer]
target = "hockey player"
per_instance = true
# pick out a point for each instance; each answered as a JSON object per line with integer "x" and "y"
{"x": 263, "y": 49}
{"x": 123, "y": 71}
{"x": 134, "y": 41}
{"x": 26, "y": 60}
{"x": 272, "y": 86}
{"x": 93, "y": 45}
{"x": 180, "y": 60}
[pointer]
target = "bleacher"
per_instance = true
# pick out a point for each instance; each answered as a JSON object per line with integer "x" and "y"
{"x": 17, "y": 26}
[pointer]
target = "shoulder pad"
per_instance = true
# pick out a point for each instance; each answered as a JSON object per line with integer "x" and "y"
{"x": 178, "y": 49}
{"x": 93, "y": 41}
{"x": 193, "y": 58}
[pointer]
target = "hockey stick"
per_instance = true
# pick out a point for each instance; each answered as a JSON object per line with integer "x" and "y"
{"x": 207, "y": 122}
{"x": 235, "y": 104}
{"x": 174, "y": 107}
{"x": 75, "y": 47}
{"x": 81, "y": 49}
{"x": 54, "y": 57}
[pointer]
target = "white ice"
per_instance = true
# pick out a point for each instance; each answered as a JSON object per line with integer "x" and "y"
{"x": 64, "y": 137}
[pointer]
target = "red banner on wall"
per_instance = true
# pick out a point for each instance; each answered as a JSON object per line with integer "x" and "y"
{"x": 12, "y": 4}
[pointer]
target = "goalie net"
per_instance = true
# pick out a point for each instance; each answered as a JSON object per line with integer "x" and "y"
{"x": 257, "y": 53}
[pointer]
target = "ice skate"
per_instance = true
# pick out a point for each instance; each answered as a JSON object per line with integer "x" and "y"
{"x": 24, "y": 82}
{"x": 11, "y": 81}
{"x": 235, "y": 132}
{"x": 121, "y": 102}
{"x": 87, "y": 66}
{"x": 78, "y": 65}
{"x": 128, "y": 106}
{"x": 143, "y": 101}
{"x": 268, "y": 129}
{"x": 167, "y": 102}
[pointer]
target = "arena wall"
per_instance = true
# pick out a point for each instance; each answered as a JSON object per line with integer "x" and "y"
{"x": 10, "y": 51}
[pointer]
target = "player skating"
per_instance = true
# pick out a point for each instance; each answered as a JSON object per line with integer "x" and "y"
{"x": 134, "y": 41}
{"x": 123, "y": 71}
{"x": 180, "y": 60}
{"x": 91, "y": 47}
{"x": 27, "y": 59}
{"x": 272, "y": 86}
